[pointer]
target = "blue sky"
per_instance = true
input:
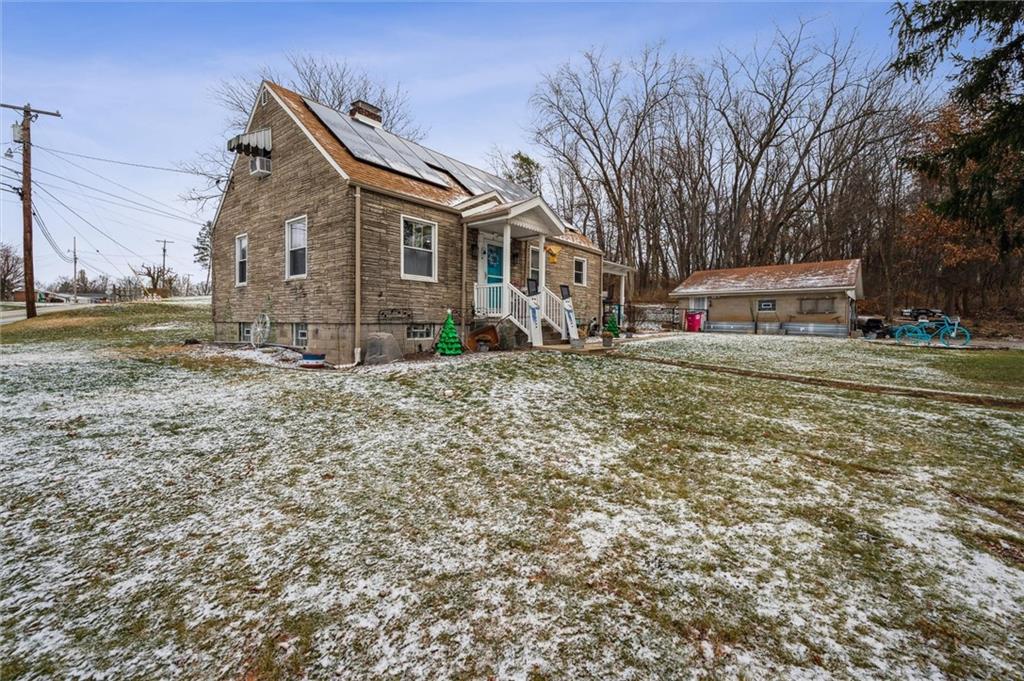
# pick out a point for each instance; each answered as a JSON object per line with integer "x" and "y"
{"x": 133, "y": 82}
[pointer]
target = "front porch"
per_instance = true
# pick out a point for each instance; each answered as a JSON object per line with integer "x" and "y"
{"x": 503, "y": 234}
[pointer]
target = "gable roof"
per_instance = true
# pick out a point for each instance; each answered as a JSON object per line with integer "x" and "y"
{"x": 451, "y": 181}
{"x": 828, "y": 275}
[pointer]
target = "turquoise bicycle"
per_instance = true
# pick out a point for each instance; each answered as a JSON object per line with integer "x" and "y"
{"x": 950, "y": 333}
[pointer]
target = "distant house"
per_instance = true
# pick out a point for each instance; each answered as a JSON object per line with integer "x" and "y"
{"x": 335, "y": 228}
{"x": 817, "y": 298}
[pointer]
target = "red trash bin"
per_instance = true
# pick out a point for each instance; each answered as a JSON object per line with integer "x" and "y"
{"x": 693, "y": 320}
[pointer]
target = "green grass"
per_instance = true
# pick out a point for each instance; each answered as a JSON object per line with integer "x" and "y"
{"x": 995, "y": 372}
{"x": 119, "y": 325}
{"x": 1001, "y": 370}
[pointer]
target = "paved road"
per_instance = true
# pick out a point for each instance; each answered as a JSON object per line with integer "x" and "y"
{"x": 10, "y": 316}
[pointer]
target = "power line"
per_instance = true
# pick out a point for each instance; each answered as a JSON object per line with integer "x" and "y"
{"x": 128, "y": 163}
{"x": 139, "y": 208}
{"x": 153, "y": 209}
{"x": 80, "y": 217}
{"x": 115, "y": 183}
{"x": 86, "y": 240}
{"x": 49, "y": 237}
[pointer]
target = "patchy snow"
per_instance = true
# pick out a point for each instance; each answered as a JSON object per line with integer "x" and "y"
{"x": 492, "y": 515}
{"x": 163, "y": 326}
{"x": 847, "y": 359}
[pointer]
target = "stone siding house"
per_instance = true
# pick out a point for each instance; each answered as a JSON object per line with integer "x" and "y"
{"x": 811, "y": 298}
{"x": 335, "y": 228}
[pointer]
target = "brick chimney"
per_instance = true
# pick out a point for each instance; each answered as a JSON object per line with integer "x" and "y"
{"x": 365, "y": 112}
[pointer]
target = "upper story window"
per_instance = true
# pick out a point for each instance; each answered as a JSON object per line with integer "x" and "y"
{"x": 534, "y": 264}
{"x": 295, "y": 247}
{"x": 241, "y": 259}
{"x": 766, "y": 305}
{"x": 579, "y": 271}
{"x": 419, "y": 249}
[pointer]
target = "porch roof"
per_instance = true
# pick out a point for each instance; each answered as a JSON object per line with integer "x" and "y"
{"x": 527, "y": 218}
{"x": 616, "y": 268}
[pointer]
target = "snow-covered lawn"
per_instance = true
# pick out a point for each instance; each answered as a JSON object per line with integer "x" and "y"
{"x": 180, "y": 513}
{"x": 994, "y": 372}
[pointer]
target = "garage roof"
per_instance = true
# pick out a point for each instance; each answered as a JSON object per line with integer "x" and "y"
{"x": 829, "y": 275}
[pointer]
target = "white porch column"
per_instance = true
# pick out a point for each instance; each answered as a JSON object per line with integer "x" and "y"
{"x": 506, "y": 266}
{"x": 542, "y": 279}
{"x": 622, "y": 296}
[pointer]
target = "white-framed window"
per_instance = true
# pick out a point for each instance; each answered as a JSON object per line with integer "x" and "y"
{"x": 245, "y": 332}
{"x": 264, "y": 96}
{"x": 300, "y": 334}
{"x": 241, "y": 260}
{"x": 419, "y": 249}
{"x": 767, "y": 305}
{"x": 579, "y": 271}
{"x": 817, "y": 305}
{"x": 295, "y": 248}
{"x": 419, "y": 331}
{"x": 534, "y": 264}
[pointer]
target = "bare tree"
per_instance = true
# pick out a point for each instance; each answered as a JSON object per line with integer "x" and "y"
{"x": 333, "y": 82}
{"x": 11, "y": 271}
{"x": 785, "y": 154}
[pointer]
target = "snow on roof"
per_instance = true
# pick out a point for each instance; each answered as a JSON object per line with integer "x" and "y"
{"x": 832, "y": 274}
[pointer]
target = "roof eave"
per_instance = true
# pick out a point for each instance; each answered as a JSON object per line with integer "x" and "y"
{"x": 683, "y": 293}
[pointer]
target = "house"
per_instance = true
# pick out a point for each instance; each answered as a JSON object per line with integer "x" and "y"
{"x": 817, "y": 298}
{"x": 336, "y": 228}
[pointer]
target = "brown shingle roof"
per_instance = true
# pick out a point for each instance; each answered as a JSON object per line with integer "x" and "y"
{"x": 360, "y": 172}
{"x": 832, "y": 274}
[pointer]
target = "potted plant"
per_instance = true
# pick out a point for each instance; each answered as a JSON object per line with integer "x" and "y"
{"x": 630, "y": 330}
{"x": 606, "y": 338}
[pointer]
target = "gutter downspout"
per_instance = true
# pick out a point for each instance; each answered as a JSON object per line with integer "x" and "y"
{"x": 462, "y": 309}
{"x": 358, "y": 327}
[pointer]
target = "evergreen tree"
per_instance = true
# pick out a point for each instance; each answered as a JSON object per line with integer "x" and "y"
{"x": 612, "y": 326}
{"x": 449, "y": 344}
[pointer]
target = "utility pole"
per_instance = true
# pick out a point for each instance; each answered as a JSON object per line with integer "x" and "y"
{"x": 163, "y": 265}
{"x": 74, "y": 267}
{"x": 28, "y": 114}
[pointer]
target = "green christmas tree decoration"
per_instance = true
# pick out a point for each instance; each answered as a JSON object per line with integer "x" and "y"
{"x": 449, "y": 344}
{"x": 612, "y": 326}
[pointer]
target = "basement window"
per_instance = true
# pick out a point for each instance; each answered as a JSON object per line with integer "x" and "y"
{"x": 419, "y": 250}
{"x": 245, "y": 332}
{"x": 300, "y": 334}
{"x": 817, "y": 305}
{"x": 419, "y": 331}
{"x": 241, "y": 259}
{"x": 579, "y": 271}
{"x": 295, "y": 247}
{"x": 766, "y": 305}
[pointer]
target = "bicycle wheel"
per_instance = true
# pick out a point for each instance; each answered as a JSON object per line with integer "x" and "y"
{"x": 919, "y": 336}
{"x": 956, "y": 336}
{"x": 900, "y": 334}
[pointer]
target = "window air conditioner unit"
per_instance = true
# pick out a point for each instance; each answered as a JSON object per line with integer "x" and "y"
{"x": 259, "y": 166}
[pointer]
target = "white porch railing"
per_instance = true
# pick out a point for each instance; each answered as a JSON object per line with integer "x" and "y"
{"x": 487, "y": 299}
{"x": 552, "y": 310}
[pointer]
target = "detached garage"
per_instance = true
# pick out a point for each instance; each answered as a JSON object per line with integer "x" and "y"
{"x": 811, "y": 298}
